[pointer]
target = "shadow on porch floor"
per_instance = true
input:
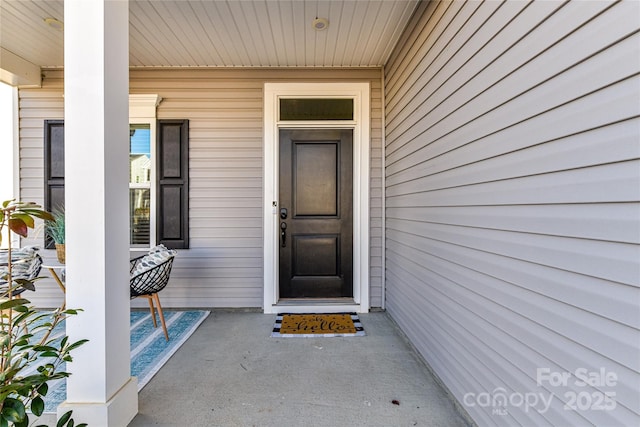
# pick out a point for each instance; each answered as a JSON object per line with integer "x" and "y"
{"x": 232, "y": 373}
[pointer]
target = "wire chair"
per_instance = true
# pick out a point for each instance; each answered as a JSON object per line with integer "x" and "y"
{"x": 20, "y": 271}
{"x": 148, "y": 283}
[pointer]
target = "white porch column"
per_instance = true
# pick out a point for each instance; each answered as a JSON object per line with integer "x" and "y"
{"x": 100, "y": 391}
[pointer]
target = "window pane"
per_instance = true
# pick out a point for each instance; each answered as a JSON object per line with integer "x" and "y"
{"x": 139, "y": 203}
{"x": 139, "y": 184}
{"x": 316, "y": 109}
{"x": 139, "y": 154}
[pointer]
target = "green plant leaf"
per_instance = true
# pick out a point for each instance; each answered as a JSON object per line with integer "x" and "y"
{"x": 22, "y": 309}
{"x": 64, "y": 418}
{"x": 43, "y": 389}
{"x": 10, "y": 414}
{"x": 13, "y": 303}
{"x": 44, "y": 348}
{"x": 13, "y": 410}
{"x": 37, "y": 406}
{"x": 77, "y": 344}
{"x": 22, "y": 318}
{"x": 20, "y": 342}
{"x": 39, "y": 213}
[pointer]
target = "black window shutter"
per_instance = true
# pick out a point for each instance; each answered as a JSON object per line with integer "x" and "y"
{"x": 53, "y": 168}
{"x": 172, "y": 187}
{"x": 172, "y": 213}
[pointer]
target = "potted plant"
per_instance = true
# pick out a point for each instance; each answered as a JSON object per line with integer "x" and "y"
{"x": 30, "y": 355}
{"x": 55, "y": 229}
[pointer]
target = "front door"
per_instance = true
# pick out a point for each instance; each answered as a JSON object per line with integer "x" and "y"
{"x": 316, "y": 213}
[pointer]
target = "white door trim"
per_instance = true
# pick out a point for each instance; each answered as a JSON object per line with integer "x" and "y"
{"x": 360, "y": 93}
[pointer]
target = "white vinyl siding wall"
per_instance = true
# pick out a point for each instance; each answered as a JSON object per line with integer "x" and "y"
{"x": 512, "y": 190}
{"x": 223, "y": 267}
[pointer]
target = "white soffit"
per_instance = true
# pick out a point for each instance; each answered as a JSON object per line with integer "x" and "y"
{"x": 224, "y": 33}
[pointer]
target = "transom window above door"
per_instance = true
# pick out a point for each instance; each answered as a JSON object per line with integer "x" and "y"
{"x": 303, "y": 109}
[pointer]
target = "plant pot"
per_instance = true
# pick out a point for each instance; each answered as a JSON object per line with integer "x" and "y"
{"x": 60, "y": 252}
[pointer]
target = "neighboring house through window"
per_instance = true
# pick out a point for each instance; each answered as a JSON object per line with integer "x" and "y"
{"x": 140, "y": 189}
{"x": 158, "y": 174}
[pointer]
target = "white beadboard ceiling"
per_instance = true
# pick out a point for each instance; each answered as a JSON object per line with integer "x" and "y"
{"x": 225, "y": 33}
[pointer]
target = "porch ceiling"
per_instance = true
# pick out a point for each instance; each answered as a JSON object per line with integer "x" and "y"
{"x": 223, "y": 33}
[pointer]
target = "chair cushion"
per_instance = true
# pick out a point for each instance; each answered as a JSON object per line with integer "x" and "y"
{"x": 156, "y": 256}
{"x": 25, "y": 263}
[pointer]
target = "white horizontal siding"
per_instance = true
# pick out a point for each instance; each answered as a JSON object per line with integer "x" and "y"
{"x": 513, "y": 200}
{"x": 223, "y": 267}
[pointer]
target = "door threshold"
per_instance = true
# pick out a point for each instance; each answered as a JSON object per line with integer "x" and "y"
{"x": 315, "y": 301}
{"x": 316, "y": 305}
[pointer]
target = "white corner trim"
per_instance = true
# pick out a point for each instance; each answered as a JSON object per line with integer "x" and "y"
{"x": 383, "y": 187}
{"x": 361, "y": 125}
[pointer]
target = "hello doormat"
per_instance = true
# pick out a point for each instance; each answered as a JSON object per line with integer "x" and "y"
{"x": 317, "y": 325}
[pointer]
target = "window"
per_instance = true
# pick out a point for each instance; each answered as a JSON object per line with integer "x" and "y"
{"x": 158, "y": 174}
{"x": 140, "y": 185}
{"x": 295, "y": 109}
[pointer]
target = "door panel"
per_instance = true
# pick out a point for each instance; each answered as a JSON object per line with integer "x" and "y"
{"x": 316, "y": 190}
{"x": 315, "y": 179}
{"x": 316, "y": 255}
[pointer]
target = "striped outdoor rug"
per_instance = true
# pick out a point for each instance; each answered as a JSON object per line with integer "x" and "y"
{"x": 149, "y": 349}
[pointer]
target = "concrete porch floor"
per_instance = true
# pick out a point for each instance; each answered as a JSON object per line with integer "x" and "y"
{"x": 232, "y": 373}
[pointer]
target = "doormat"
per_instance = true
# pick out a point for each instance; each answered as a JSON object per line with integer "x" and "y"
{"x": 290, "y": 325}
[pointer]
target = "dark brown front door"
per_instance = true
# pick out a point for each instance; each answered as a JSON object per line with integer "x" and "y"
{"x": 316, "y": 213}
